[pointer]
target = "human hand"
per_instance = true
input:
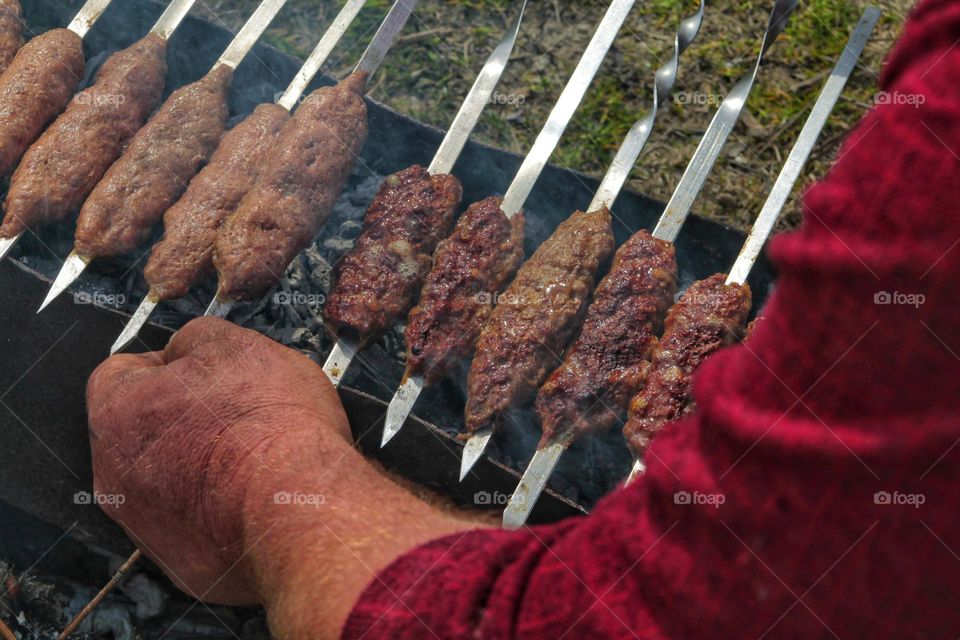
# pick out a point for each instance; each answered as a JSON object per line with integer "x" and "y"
{"x": 202, "y": 438}
{"x": 182, "y": 434}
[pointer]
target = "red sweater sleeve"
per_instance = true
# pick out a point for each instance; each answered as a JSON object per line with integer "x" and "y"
{"x": 823, "y": 464}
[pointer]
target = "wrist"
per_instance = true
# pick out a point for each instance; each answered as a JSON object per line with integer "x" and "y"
{"x": 315, "y": 539}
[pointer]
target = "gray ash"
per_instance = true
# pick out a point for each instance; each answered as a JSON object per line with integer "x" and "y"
{"x": 46, "y": 578}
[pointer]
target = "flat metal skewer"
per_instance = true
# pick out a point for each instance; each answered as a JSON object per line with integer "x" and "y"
{"x": 543, "y": 148}
{"x": 88, "y": 15}
{"x": 370, "y": 61}
{"x": 450, "y": 148}
{"x": 6, "y": 244}
{"x": 406, "y": 396}
{"x": 798, "y": 156}
{"x": 136, "y": 322}
{"x": 717, "y": 133}
{"x": 288, "y": 100}
{"x": 235, "y": 52}
{"x": 72, "y": 267}
{"x": 545, "y": 459}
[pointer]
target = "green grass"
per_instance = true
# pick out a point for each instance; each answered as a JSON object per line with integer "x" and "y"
{"x": 430, "y": 70}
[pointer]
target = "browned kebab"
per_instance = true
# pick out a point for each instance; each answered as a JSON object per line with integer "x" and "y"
{"x": 490, "y": 382}
{"x": 61, "y": 168}
{"x": 184, "y": 255}
{"x": 711, "y": 314}
{"x": 11, "y": 32}
{"x": 472, "y": 266}
{"x": 615, "y": 355}
{"x": 591, "y": 390}
{"x": 38, "y": 79}
{"x": 304, "y": 174}
{"x": 378, "y": 280}
{"x": 125, "y": 207}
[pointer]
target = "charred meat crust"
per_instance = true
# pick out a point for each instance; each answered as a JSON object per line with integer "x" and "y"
{"x": 293, "y": 197}
{"x": 469, "y": 267}
{"x": 11, "y": 32}
{"x": 185, "y": 253}
{"x": 35, "y": 87}
{"x": 156, "y": 167}
{"x": 710, "y": 315}
{"x": 63, "y": 166}
{"x": 607, "y": 364}
{"x": 475, "y": 261}
{"x": 377, "y": 281}
{"x": 535, "y": 318}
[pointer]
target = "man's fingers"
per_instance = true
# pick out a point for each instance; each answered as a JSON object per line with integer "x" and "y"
{"x": 204, "y": 332}
{"x": 115, "y": 372}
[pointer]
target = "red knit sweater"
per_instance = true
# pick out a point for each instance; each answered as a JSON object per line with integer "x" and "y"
{"x": 833, "y": 399}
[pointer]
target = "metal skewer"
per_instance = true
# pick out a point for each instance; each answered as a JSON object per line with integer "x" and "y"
{"x": 678, "y": 208}
{"x": 450, "y": 148}
{"x": 545, "y": 460}
{"x": 787, "y": 178}
{"x": 543, "y": 148}
{"x": 370, "y": 61}
{"x": 165, "y": 26}
{"x": 75, "y": 264}
{"x": 287, "y": 100}
{"x": 717, "y": 133}
{"x": 88, "y": 15}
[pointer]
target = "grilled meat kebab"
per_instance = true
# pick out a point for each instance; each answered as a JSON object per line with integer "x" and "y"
{"x": 709, "y": 315}
{"x": 58, "y": 172}
{"x": 33, "y": 91}
{"x": 479, "y": 257}
{"x": 535, "y": 317}
{"x": 377, "y": 281}
{"x": 608, "y": 363}
{"x": 11, "y": 31}
{"x": 185, "y": 253}
{"x": 156, "y": 167}
{"x": 293, "y": 196}
{"x": 468, "y": 273}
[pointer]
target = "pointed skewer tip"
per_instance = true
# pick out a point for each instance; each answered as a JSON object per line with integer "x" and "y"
{"x": 136, "y": 322}
{"x": 72, "y": 267}
{"x": 6, "y": 244}
{"x": 473, "y": 451}
{"x": 400, "y": 407}
{"x": 339, "y": 360}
